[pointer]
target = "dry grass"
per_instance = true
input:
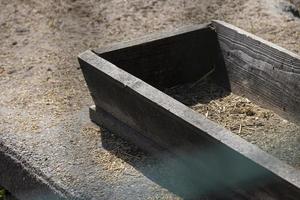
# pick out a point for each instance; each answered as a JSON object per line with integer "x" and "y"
{"x": 241, "y": 116}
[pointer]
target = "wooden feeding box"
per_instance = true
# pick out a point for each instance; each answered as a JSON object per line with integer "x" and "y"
{"x": 130, "y": 82}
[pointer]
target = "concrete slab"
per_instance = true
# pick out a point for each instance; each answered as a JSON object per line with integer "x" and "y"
{"x": 70, "y": 159}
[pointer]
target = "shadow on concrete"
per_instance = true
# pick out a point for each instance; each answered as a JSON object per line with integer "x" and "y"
{"x": 163, "y": 170}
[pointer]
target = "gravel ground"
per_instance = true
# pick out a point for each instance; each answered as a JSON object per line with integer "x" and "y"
{"x": 43, "y": 91}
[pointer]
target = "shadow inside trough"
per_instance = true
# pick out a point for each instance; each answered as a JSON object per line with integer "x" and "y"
{"x": 214, "y": 85}
{"x": 202, "y": 92}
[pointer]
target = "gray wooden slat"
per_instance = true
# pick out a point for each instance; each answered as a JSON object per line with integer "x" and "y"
{"x": 262, "y": 71}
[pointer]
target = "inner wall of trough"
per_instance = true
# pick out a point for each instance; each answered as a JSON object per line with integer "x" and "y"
{"x": 187, "y": 68}
{"x": 169, "y": 61}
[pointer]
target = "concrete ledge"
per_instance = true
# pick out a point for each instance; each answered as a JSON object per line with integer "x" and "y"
{"x": 25, "y": 182}
{"x": 72, "y": 159}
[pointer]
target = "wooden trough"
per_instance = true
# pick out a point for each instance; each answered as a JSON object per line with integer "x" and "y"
{"x": 126, "y": 82}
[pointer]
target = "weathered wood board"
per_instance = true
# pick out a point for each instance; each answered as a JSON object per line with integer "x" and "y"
{"x": 225, "y": 166}
{"x": 263, "y": 72}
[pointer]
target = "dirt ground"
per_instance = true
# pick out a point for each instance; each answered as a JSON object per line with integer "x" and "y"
{"x": 40, "y": 40}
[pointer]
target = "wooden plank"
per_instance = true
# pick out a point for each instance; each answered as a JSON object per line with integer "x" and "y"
{"x": 224, "y": 164}
{"x": 263, "y": 72}
{"x": 162, "y": 59}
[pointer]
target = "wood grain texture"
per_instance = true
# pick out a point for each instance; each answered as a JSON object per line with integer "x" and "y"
{"x": 166, "y": 59}
{"x": 226, "y": 165}
{"x": 263, "y": 72}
